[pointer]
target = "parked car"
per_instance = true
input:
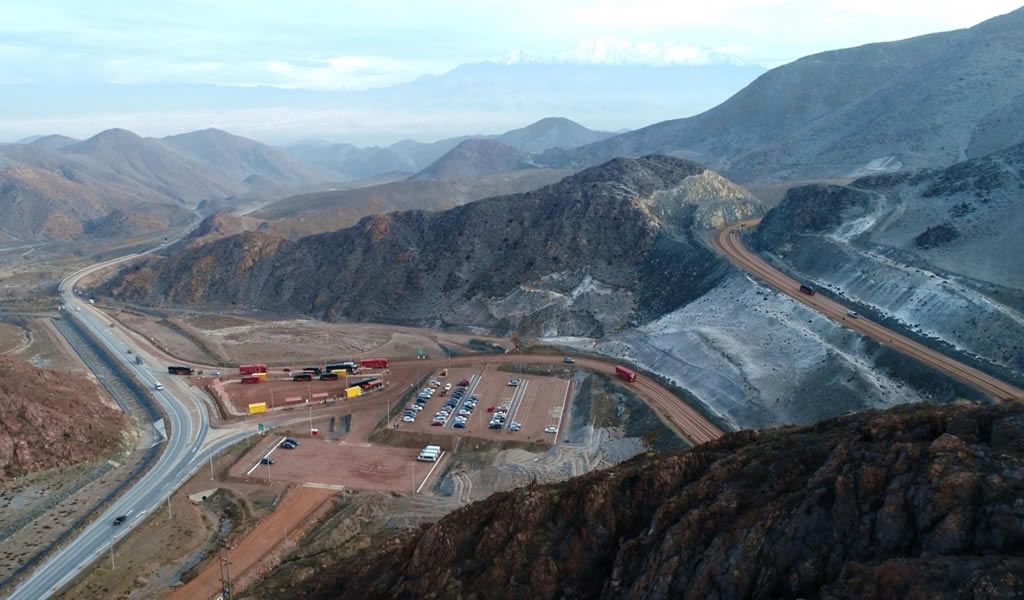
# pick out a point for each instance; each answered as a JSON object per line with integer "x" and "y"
{"x": 550, "y": 429}
{"x": 291, "y": 441}
{"x": 494, "y": 425}
{"x": 447, "y": 386}
{"x": 459, "y": 425}
{"x": 513, "y": 426}
{"x": 513, "y": 382}
{"x": 408, "y": 419}
{"x": 437, "y": 423}
{"x": 287, "y": 445}
{"x": 416, "y": 407}
{"x": 266, "y": 460}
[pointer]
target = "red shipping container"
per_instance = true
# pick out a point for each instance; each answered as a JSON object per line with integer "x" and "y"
{"x": 251, "y": 379}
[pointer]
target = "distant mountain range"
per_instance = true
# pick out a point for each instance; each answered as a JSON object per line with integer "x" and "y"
{"x": 600, "y": 249}
{"x": 346, "y": 160}
{"x": 117, "y": 183}
{"x": 926, "y": 101}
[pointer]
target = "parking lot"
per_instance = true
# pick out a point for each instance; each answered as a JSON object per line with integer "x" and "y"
{"x": 337, "y": 464}
{"x": 537, "y": 404}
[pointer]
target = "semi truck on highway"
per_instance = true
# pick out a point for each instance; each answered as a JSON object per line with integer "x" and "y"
{"x": 179, "y": 370}
{"x": 625, "y": 373}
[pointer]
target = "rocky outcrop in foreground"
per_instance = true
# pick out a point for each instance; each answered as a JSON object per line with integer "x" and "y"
{"x": 916, "y": 502}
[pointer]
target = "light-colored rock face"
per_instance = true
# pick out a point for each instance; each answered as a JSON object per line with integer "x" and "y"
{"x": 711, "y": 200}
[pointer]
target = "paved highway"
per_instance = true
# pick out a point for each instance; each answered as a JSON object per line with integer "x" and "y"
{"x": 730, "y": 244}
{"x": 186, "y": 427}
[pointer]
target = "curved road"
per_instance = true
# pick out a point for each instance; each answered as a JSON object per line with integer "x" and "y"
{"x": 182, "y": 455}
{"x": 729, "y": 243}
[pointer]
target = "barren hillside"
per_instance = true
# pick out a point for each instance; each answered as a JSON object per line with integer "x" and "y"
{"x": 916, "y": 502}
{"x": 610, "y": 246}
{"x": 51, "y": 419}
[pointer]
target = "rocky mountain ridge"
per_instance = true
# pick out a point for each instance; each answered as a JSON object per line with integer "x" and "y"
{"x": 609, "y": 246}
{"x": 915, "y": 502}
{"x": 927, "y": 101}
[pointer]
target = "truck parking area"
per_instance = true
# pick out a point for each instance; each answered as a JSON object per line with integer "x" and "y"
{"x": 536, "y": 404}
{"x": 317, "y": 462}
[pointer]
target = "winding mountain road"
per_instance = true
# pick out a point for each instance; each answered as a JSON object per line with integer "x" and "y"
{"x": 728, "y": 242}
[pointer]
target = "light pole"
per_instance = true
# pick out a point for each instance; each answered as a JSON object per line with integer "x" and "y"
{"x": 311, "y": 418}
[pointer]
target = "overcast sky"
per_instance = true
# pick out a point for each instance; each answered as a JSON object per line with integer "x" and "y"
{"x": 356, "y": 44}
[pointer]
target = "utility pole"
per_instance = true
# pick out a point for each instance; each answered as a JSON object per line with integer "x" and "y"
{"x": 310, "y": 417}
{"x": 271, "y": 396}
{"x": 211, "y": 467}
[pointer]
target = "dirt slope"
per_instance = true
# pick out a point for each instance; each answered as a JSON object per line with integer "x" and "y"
{"x": 50, "y": 419}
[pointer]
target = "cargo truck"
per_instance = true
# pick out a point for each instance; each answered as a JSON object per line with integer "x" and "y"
{"x": 625, "y": 373}
{"x": 329, "y": 377}
{"x": 374, "y": 363}
{"x": 302, "y": 377}
{"x": 251, "y": 369}
{"x": 178, "y": 370}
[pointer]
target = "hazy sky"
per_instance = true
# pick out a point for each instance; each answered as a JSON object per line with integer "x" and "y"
{"x": 356, "y": 44}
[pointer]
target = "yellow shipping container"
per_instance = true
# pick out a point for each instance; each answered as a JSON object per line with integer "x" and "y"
{"x": 259, "y": 407}
{"x": 340, "y": 372}
{"x": 261, "y": 375}
{"x": 353, "y": 391}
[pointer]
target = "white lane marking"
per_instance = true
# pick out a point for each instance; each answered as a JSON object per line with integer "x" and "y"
{"x": 267, "y": 455}
{"x": 440, "y": 457}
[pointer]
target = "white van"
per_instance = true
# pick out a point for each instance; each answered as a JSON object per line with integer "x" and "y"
{"x": 429, "y": 454}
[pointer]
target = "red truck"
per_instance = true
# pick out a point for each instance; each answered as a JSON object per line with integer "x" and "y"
{"x": 250, "y": 379}
{"x": 625, "y": 373}
{"x": 373, "y": 363}
{"x": 250, "y": 369}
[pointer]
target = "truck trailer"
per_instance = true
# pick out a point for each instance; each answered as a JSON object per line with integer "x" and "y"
{"x": 179, "y": 370}
{"x": 374, "y": 363}
{"x": 252, "y": 369}
{"x": 251, "y": 379}
{"x": 625, "y": 373}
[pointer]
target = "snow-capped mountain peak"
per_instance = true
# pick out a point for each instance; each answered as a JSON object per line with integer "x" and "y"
{"x": 610, "y": 50}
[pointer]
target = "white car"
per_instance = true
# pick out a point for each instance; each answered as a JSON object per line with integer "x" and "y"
{"x": 550, "y": 429}
{"x": 447, "y": 386}
{"x": 408, "y": 420}
{"x": 416, "y": 407}
{"x": 159, "y": 386}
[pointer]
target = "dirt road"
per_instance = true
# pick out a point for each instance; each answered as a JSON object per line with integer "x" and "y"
{"x": 267, "y": 535}
{"x": 730, "y": 244}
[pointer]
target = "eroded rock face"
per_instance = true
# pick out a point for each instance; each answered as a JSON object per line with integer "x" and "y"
{"x": 916, "y": 502}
